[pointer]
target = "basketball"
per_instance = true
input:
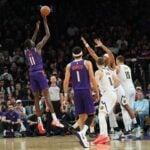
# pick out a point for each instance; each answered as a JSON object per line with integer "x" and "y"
{"x": 45, "y": 10}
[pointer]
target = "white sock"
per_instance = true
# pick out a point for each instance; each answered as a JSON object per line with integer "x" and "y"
{"x": 39, "y": 120}
{"x": 102, "y": 123}
{"x": 92, "y": 130}
{"x": 126, "y": 119}
{"x": 75, "y": 125}
{"x": 84, "y": 130}
{"x": 112, "y": 120}
{"x": 134, "y": 121}
{"x": 22, "y": 128}
{"x": 54, "y": 116}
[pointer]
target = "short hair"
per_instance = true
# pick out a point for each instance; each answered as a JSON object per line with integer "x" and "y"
{"x": 120, "y": 58}
{"x": 27, "y": 44}
{"x": 77, "y": 52}
{"x": 100, "y": 61}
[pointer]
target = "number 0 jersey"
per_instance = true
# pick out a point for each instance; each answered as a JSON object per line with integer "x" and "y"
{"x": 79, "y": 75}
{"x": 106, "y": 82}
{"x": 34, "y": 60}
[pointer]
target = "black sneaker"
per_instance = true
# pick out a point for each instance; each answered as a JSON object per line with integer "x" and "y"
{"x": 92, "y": 135}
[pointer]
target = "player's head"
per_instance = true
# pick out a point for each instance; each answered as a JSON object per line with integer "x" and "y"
{"x": 77, "y": 52}
{"x": 119, "y": 59}
{"x": 106, "y": 59}
{"x": 28, "y": 44}
{"x": 100, "y": 61}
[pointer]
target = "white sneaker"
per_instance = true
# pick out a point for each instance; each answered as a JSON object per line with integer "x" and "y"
{"x": 83, "y": 140}
{"x": 137, "y": 132}
{"x": 116, "y": 135}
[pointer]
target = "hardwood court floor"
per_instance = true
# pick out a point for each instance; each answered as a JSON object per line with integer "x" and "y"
{"x": 67, "y": 143}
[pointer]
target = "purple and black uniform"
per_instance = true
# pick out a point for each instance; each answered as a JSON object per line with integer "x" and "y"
{"x": 37, "y": 76}
{"x": 82, "y": 91}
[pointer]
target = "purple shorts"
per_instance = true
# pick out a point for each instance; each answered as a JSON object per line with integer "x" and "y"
{"x": 38, "y": 81}
{"x": 83, "y": 102}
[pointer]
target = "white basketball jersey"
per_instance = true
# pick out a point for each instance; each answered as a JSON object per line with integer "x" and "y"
{"x": 106, "y": 82}
{"x": 125, "y": 76}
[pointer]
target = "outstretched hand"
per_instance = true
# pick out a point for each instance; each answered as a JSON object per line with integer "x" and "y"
{"x": 98, "y": 42}
{"x": 38, "y": 24}
{"x": 83, "y": 40}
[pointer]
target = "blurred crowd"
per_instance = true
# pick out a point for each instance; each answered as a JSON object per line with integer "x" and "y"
{"x": 122, "y": 25}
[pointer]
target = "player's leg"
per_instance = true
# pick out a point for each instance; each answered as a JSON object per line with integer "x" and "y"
{"x": 85, "y": 105}
{"x": 81, "y": 120}
{"x": 130, "y": 116}
{"x": 37, "y": 107}
{"x": 108, "y": 101}
{"x": 43, "y": 84}
{"x": 103, "y": 131}
{"x": 122, "y": 100}
{"x": 36, "y": 92}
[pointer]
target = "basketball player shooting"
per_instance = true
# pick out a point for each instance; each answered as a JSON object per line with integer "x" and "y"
{"x": 36, "y": 73}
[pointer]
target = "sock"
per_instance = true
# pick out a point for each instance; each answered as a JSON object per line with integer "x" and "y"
{"x": 103, "y": 123}
{"x": 126, "y": 118}
{"x": 84, "y": 130}
{"x": 39, "y": 120}
{"x": 92, "y": 130}
{"x": 134, "y": 121}
{"x": 22, "y": 128}
{"x": 75, "y": 125}
{"x": 112, "y": 120}
{"x": 54, "y": 116}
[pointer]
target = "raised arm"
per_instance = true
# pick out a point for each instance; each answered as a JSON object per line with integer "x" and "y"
{"x": 36, "y": 31}
{"x": 107, "y": 50}
{"x": 41, "y": 44}
{"x": 90, "y": 50}
{"x": 99, "y": 43}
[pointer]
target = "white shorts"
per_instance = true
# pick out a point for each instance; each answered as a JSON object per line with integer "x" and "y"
{"x": 130, "y": 94}
{"x": 121, "y": 96}
{"x": 107, "y": 102}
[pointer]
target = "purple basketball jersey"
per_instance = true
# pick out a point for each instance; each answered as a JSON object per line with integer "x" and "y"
{"x": 37, "y": 76}
{"x": 79, "y": 75}
{"x": 34, "y": 60}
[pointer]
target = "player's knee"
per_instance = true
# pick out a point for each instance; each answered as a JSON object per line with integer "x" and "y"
{"x": 124, "y": 101}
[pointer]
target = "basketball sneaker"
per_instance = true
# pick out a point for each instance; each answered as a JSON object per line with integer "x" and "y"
{"x": 56, "y": 123}
{"x": 41, "y": 128}
{"x": 116, "y": 135}
{"x": 137, "y": 131}
{"x": 101, "y": 139}
{"x": 83, "y": 140}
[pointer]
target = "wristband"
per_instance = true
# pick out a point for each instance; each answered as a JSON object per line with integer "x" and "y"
{"x": 87, "y": 45}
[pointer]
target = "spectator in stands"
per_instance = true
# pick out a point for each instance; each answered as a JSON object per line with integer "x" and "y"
{"x": 1, "y": 121}
{"x": 11, "y": 121}
{"x": 22, "y": 113}
{"x": 1, "y": 97}
{"x": 19, "y": 93}
{"x": 141, "y": 107}
{"x": 148, "y": 92}
{"x": 32, "y": 124}
{"x": 6, "y": 75}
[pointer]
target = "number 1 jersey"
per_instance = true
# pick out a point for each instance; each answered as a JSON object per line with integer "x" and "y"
{"x": 79, "y": 75}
